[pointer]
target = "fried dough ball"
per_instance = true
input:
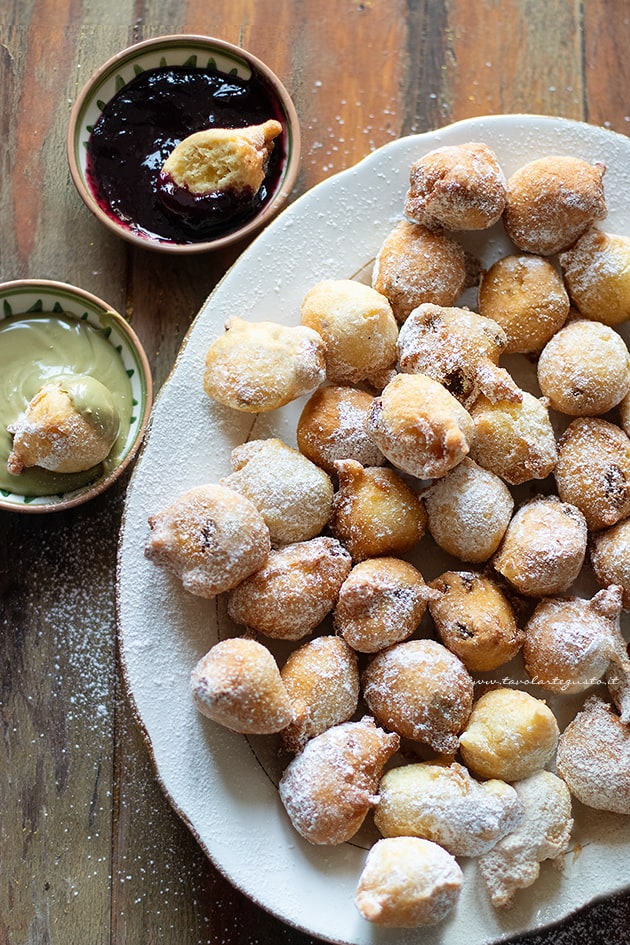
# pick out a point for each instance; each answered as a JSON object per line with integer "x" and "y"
{"x": 610, "y": 558}
{"x": 259, "y": 366}
{"x": 70, "y": 425}
{"x": 552, "y": 201}
{"x": 237, "y": 684}
{"x": 293, "y": 591}
{"x": 544, "y": 833}
{"x": 585, "y": 369}
{"x": 419, "y": 426}
{"x": 594, "y": 757}
{"x": 294, "y": 495}
{"x": 624, "y": 413}
{"x": 357, "y": 325}
{"x": 544, "y": 547}
{"x": 328, "y": 789}
{"x": 414, "y": 265}
{"x": 458, "y": 187}
{"x": 514, "y": 441}
{"x": 211, "y": 538}
{"x": 510, "y": 735}
{"x": 322, "y": 680}
{"x": 333, "y": 426}
{"x": 569, "y": 643}
{"x": 597, "y": 274}
{"x": 420, "y": 690}
{"x": 475, "y": 620}
{"x": 526, "y": 296}
{"x": 458, "y": 348}
{"x": 443, "y": 803}
{"x": 593, "y": 471}
{"x": 381, "y": 602}
{"x": 408, "y": 882}
{"x": 374, "y": 512}
{"x": 468, "y": 511}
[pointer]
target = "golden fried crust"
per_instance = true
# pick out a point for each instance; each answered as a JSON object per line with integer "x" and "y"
{"x": 322, "y": 679}
{"x": 461, "y": 187}
{"x": 211, "y": 538}
{"x": 408, "y": 882}
{"x": 420, "y": 427}
{"x": 357, "y": 325}
{"x": 237, "y": 684}
{"x": 475, "y": 620}
{"x": 584, "y": 370}
{"x": 332, "y": 427}
{"x": 509, "y": 736}
{"x": 328, "y": 789}
{"x": 415, "y": 265}
{"x": 552, "y": 201}
{"x": 526, "y": 296}
{"x": 593, "y": 471}
{"x": 293, "y": 592}
{"x": 421, "y": 690}
{"x": 374, "y": 512}
{"x": 381, "y": 602}
{"x": 259, "y": 366}
{"x": 544, "y": 547}
{"x": 458, "y": 348}
{"x": 610, "y": 557}
{"x": 596, "y": 270}
{"x": 594, "y": 757}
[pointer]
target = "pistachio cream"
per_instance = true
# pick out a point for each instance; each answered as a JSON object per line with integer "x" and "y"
{"x": 36, "y": 349}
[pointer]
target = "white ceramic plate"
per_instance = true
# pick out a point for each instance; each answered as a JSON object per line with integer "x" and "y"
{"x": 223, "y": 785}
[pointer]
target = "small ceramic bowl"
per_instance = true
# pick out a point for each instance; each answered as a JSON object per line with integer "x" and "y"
{"x": 39, "y": 298}
{"x": 190, "y": 51}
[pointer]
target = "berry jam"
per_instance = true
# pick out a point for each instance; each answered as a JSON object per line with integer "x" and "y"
{"x": 145, "y": 120}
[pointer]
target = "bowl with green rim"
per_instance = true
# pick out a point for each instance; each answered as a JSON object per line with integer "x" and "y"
{"x": 51, "y": 331}
{"x": 120, "y": 94}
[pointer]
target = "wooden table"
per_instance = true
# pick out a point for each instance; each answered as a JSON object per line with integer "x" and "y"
{"x": 90, "y": 851}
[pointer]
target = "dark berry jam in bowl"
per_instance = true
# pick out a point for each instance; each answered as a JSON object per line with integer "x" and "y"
{"x": 145, "y": 101}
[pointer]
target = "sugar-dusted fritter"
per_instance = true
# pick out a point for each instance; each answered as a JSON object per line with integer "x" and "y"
{"x": 584, "y": 369}
{"x": 525, "y": 294}
{"x": 593, "y": 470}
{"x": 420, "y": 690}
{"x": 322, "y": 680}
{"x": 457, "y": 187}
{"x": 596, "y": 270}
{"x": 293, "y": 591}
{"x": 419, "y": 426}
{"x": 475, "y": 620}
{"x": 610, "y": 558}
{"x": 357, "y": 325}
{"x": 510, "y": 735}
{"x": 458, "y": 348}
{"x": 375, "y": 512}
{"x": 570, "y": 643}
{"x": 552, "y": 201}
{"x": 594, "y": 757}
{"x": 238, "y": 684}
{"x": 415, "y": 265}
{"x": 329, "y": 787}
{"x": 333, "y": 426}
{"x": 293, "y": 495}
{"x": 445, "y": 804}
{"x": 544, "y": 833}
{"x": 468, "y": 511}
{"x": 210, "y": 537}
{"x": 259, "y": 366}
{"x": 381, "y": 602}
{"x": 544, "y": 547}
{"x": 408, "y": 882}
{"x": 515, "y": 441}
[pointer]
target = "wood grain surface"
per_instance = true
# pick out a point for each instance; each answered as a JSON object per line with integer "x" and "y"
{"x": 90, "y": 851}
